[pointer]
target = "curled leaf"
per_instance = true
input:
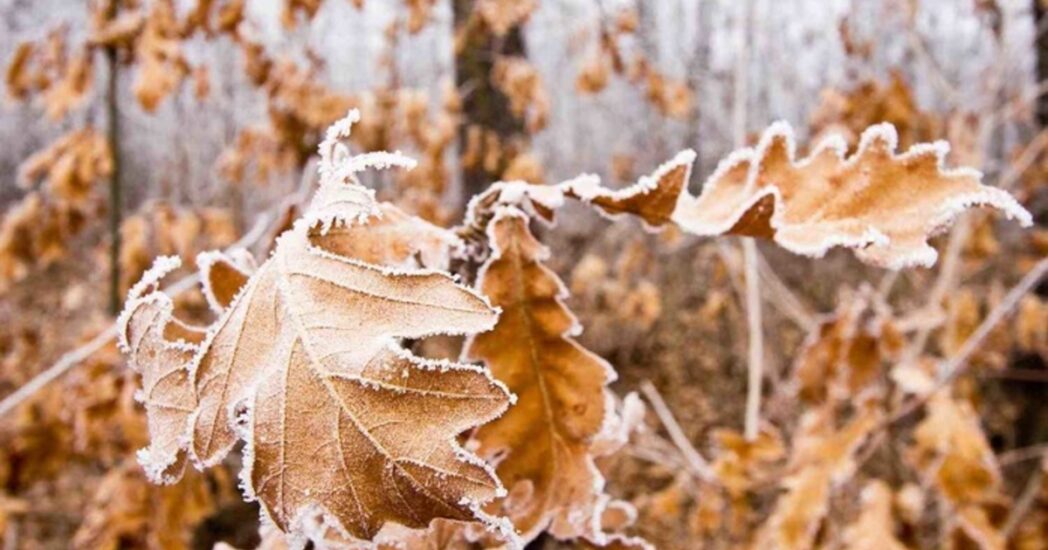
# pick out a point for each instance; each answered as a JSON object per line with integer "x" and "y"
{"x": 882, "y": 204}
{"x": 160, "y": 348}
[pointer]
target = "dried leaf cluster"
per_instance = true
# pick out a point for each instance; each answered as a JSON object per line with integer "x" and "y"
{"x": 315, "y": 355}
{"x": 350, "y": 436}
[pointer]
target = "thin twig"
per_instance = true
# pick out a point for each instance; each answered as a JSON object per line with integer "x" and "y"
{"x": 1022, "y": 454}
{"x": 696, "y": 463}
{"x": 775, "y": 291}
{"x": 755, "y": 353}
{"x": 785, "y": 300}
{"x": 947, "y": 279}
{"x": 64, "y": 363}
{"x": 11, "y": 536}
{"x": 1026, "y": 159}
{"x": 1026, "y": 500}
{"x": 958, "y": 363}
{"x": 884, "y": 288}
{"x": 72, "y": 358}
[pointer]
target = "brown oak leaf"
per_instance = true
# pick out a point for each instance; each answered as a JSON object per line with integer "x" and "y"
{"x": 875, "y": 527}
{"x": 882, "y": 204}
{"x": 345, "y": 429}
{"x": 848, "y": 350}
{"x": 823, "y": 458}
{"x": 543, "y": 444}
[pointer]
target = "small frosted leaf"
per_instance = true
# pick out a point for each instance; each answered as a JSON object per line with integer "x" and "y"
{"x": 160, "y": 348}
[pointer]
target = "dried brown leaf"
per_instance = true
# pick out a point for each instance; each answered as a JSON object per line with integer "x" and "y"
{"x": 823, "y": 458}
{"x": 126, "y": 511}
{"x": 883, "y": 205}
{"x": 543, "y": 445}
{"x": 875, "y": 527}
{"x": 847, "y": 351}
{"x": 344, "y": 428}
{"x": 223, "y": 276}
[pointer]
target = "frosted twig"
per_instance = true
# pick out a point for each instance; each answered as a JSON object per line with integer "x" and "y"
{"x": 1026, "y": 158}
{"x": 1022, "y": 454}
{"x": 884, "y": 288}
{"x": 11, "y": 536}
{"x": 958, "y": 363}
{"x": 1026, "y": 500}
{"x": 947, "y": 279}
{"x": 756, "y": 341}
{"x": 72, "y": 358}
{"x": 696, "y": 463}
{"x": 776, "y": 291}
{"x": 783, "y": 298}
{"x": 64, "y": 363}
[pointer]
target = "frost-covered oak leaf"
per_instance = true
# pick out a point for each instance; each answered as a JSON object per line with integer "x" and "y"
{"x": 160, "y": 348}
{"x": 344, "y": 428}
{"x": 882, "y": 204}
{"x": 543, "y": 446}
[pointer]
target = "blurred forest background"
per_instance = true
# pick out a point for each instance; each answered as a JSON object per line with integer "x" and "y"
{"x": 135, "y": 128}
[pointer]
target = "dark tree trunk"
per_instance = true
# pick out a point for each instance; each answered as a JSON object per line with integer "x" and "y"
{"x": 484, "y": 106}
{"x": 1041, "y": 45}
{"x": 115, "y": 184}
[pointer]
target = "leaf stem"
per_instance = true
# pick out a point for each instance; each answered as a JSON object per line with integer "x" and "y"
{"x": 755, "y": 353}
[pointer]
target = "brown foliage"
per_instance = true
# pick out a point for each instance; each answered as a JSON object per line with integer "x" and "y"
{"x": 543, "y": 445}
{"x": 883, "y": 205}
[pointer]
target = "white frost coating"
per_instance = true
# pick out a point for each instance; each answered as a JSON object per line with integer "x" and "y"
{"x": 340, "y": 203}
{"x": 948, "y": 211}
{"x": 154, "y": 464}
{"x": 379, "y": 160}
{"x": 338, "y": 166}
{"x": 588, "y": 188}
{"x": 332, "y": 152}
{"x": 150, "y": 281}
{"x": 443, "y": 365}
{"x": 500, "y": 526}
{"x": 619, "y": 424}
{"x": 526, "y": 195}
